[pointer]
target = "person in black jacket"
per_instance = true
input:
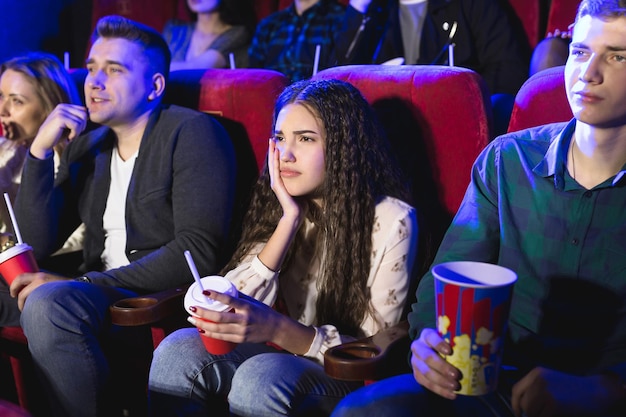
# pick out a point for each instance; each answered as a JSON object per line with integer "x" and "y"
{"x": 484, "y": 35}
{"x": 150, "y": 183}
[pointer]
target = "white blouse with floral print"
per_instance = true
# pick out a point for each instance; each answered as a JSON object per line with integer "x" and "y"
{"x": 394, "y": 243}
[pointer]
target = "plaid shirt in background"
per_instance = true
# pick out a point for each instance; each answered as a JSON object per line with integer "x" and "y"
{"x": 286, "y": 42}
{"x": 567, "y": 245}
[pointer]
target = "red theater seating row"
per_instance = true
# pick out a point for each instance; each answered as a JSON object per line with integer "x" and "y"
{"x": 438, "y": 120}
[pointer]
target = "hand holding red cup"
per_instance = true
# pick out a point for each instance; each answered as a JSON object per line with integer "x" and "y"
{"x": 16, "y": 260}
{"x": 194, "y": 297}
{"x": 16, "y": 257}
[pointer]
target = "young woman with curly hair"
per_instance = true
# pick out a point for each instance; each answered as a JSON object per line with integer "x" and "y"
{"x": 328, "y": 242}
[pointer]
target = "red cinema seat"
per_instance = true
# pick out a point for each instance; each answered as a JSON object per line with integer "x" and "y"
{"x": 153, "y": 13}
{"x": 561, "y": 14}
{"x": 448, "y": 107}
{"x": 540, "y": 100}
{"x": 529, "y": 13}
{"x": 438, "y": 120}
{"x": 242, "y": 99}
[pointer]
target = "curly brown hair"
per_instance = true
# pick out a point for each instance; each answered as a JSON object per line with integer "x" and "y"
{"x": 359, "y": 172}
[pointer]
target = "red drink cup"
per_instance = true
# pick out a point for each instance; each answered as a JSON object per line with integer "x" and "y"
{"x": 16, "y": 260}
{"x": 472, "y": 303}
{"x": 194, "y": 297}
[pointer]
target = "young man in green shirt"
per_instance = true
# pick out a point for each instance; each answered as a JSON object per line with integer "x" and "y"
{"x": 548, "y": 203}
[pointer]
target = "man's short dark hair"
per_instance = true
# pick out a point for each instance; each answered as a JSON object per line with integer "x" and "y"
{"x": 148, "y": 38}
{"x": 602, "y": 9}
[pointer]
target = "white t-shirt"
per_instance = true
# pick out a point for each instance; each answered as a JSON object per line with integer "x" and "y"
{"x": 114, "y": 219}
{"x": 412, "y": 14}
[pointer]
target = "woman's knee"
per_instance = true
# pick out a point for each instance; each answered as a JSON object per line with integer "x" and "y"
{"x": 264, "y": 381}
{"x": 256, "y": 374}
{"x": 175, "y": 355}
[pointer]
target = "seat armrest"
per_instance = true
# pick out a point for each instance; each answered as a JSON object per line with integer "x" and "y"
{"x": 148, "y": 309}
{"x": 376, "y": 357}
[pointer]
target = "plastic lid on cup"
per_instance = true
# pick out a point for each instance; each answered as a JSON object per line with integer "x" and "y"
{"x": 14, "y": 251}
{"x": 194, "y": 296}
{"x": 474, "y": 274}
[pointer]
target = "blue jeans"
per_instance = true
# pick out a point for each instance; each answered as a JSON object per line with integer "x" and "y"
{"x": 275, "y": 384}
{"x": 67, "y": 327}
{"x": 402, "y": 396}
{"x": 255, "y": 379}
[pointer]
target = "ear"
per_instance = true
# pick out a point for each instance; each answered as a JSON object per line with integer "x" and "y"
{"x": 158, "y": 86}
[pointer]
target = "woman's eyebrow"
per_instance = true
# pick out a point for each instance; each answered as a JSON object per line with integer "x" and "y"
{"x": 300, "y": 132}
{"x": 22, "y": 96}
{"x": 297, "y": 132}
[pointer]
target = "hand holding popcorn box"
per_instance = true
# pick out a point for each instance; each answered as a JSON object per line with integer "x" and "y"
{"x": 472, "y": 303}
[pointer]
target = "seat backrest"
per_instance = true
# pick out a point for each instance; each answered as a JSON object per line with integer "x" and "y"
{"x": 561, "y": 14}
{"x": 243, "y": 102}
{"x": 447, "y": 107}
{"x": 242, "y": 99}
{"x": 283, "y": 4}
{"x": 438, "y": 119}
{"x": 541, "y": 100}
{"x": 264, "y": 8}
{"x": 529, "y": 13}
{"x": 153, "y": 13}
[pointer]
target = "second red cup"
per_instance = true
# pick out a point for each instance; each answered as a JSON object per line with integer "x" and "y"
{"x": 17, "y": 260}
{"x": 194, "y": 297}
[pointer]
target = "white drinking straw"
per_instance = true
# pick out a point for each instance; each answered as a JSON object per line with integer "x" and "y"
{"x": 194, "y": 270}
{"x": 451, "y": 55}
{"x": 66, "y": 60}
{"x": 317, "y": 58}
{"x": 451, "y": 45}
{"x": 16, "y": 229}
{"x": 231, "y": 58}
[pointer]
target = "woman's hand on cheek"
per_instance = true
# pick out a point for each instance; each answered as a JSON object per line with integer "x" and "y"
{"x": 290, "y": 207}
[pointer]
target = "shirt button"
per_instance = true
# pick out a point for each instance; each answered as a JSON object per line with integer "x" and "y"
{"x": 575, "y": 242}
{"x": 587, "y": 194}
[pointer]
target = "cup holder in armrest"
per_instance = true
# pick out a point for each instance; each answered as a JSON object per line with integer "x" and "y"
{"x": 356, "y": 351}
{"x": 148, "y": 309}
{"x": 137, "y": 302}
{"x": 373, "y": 358}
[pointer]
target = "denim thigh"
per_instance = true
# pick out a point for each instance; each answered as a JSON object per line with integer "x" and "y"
{"x": 187, "y": 380}
{"x": 283, "y": 384}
